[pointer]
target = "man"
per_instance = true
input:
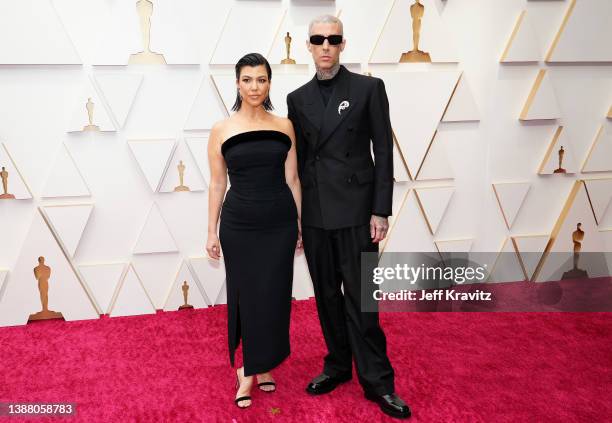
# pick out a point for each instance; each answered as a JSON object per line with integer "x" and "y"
{"x": 346, "y": 200}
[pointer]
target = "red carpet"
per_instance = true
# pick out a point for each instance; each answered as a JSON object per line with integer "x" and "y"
{"x": 450, "y": 367}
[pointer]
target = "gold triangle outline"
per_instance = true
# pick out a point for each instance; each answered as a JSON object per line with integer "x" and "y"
{"x": 568, "y": 13}
{"x": 6, "y": 150}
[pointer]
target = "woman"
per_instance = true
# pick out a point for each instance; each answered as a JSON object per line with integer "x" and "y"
{"x": 259, "y": 226}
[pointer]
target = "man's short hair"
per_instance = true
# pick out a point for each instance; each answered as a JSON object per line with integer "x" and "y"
{"x": 326, "y": 19}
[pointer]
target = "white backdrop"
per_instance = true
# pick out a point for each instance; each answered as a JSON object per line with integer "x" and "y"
{"x": 478, "y": 128}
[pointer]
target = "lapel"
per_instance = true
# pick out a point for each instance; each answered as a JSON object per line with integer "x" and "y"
{"x": 313, "y": 104}
{"x": 332, "y": 115}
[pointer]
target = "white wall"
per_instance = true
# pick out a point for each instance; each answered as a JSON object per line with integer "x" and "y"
{"x": 51, "y": 50}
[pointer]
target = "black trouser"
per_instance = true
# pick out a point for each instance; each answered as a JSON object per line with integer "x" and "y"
{"x": 334, "y": 259}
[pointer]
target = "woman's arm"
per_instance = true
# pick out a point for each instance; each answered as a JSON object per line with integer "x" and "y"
{"x": 216, "y": 190}
{"x": 292, "y": 178}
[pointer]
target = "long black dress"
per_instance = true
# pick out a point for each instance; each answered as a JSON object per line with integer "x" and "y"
{"x": 258, "y": 233}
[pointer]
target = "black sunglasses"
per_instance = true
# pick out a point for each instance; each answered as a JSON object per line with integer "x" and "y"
{"x": 334, "y": 40}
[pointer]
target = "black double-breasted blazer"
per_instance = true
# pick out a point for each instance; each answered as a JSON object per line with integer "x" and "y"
{"x": 342, "y": 184}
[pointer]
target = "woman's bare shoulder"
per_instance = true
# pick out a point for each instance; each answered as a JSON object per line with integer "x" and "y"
{"x": 221, "y": 128}
{"x": 283, "y": 124}
{"x": 220, "y": 125}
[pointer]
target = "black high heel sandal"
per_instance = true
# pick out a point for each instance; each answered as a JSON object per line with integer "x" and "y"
{"x": 269, "y": 383}
{"x": 243, "y": 398}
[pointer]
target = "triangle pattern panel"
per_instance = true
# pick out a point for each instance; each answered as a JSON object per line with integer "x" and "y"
{"x": 65, "y": 179}
{"x": 232, "y": 44}
{"x": 284, "y": 83}
{"x": 183, "y": 159}
{"x": 89, "y": 103}
{"x": 355, "y": 17}
{"x": 199, "y": 151}
{"x": 605, "y": 224}
{"x": 16, "y": 187}
{"x": 599, "y": 192}
{"x": 169, "y": 36}
{"x": 554, "y": 161}
{"x": 66, "y": 294}
{"x": 397, "y": 35}
{"x": 415, "y": 123}
{"x": 176, "y": 297}
{"x": 302, "y": 284}
{"x": 577, "y": 209}
{"x": 222, "y": 297}
{"x": 454, "y": 245}
{"x": 297, "y": 27}
{"x": 207, "y": 107}
{"x": 155, "y": 237}
{"x": 31, "y": 33}
{"x": 120, "y": 34}
{"x": 530, "y": 249}
{"x": 436, "y": 164}
{"x": 83, "y": 22}
{"x": 409, "y": 232}
{"x": 68, "y": 222}
{"x": 153, "y": 157}
{"x": 210, "y": 274}
{"x": 507, "y": 267}
{"x": 522, "y": 45}
{"x": 400, "y": 171}
{"x": 103, "y": 280}
{"x": 585, "y": 33}
{"x": 3, "y": 277}
{"x": 157, "y": 272}
{"x": 400, "y": 190}
{"x": 104, "y": 32}
{"x": 433, "y": 203}
{"x": 599, "y": 158}
{"x": 510, "y": 197}
{"x": 462, "y": 106}
{"x": 131, "y": 299}
{"x": 119, "y": 90}
{"x": 541, "y": 102}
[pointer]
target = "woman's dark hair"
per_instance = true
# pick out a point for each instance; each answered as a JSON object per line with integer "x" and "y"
{"x": 252, "y": 59}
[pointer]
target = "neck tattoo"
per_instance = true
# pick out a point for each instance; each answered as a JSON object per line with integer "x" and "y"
{"x": 328, "y": 73}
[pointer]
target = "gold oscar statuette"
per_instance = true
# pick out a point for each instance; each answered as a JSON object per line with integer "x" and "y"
{"x": 90, "y": 110}
{"x": 560, "y": 168}
{"x": 146, "y": 56}
{"x": 576, "y": 272}
{"x": 185, "y": 288}
{"x": 42, "y": 273}
{"x": 288, "y": 60}
{"x": 181, "y": 171}
{"x": 5, "y": 194}
{"x": 417, "y": 10}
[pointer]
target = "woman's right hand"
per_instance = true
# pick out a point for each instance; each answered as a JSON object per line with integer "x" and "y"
{"x": 213, "y": 248}
{"x": 299, "y": 244}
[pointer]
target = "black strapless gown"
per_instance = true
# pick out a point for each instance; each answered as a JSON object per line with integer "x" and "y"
{"x": 258, "y": 233}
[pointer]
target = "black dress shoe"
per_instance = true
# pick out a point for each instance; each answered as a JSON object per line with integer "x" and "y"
{"x": 323, "y": 383}
{"x": 390, "y": 404}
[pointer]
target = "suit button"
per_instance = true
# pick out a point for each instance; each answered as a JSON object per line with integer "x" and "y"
{"x": 317, "y": 157}
{"x": 347, "y": 154}
{"x": 349, "y": 180}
